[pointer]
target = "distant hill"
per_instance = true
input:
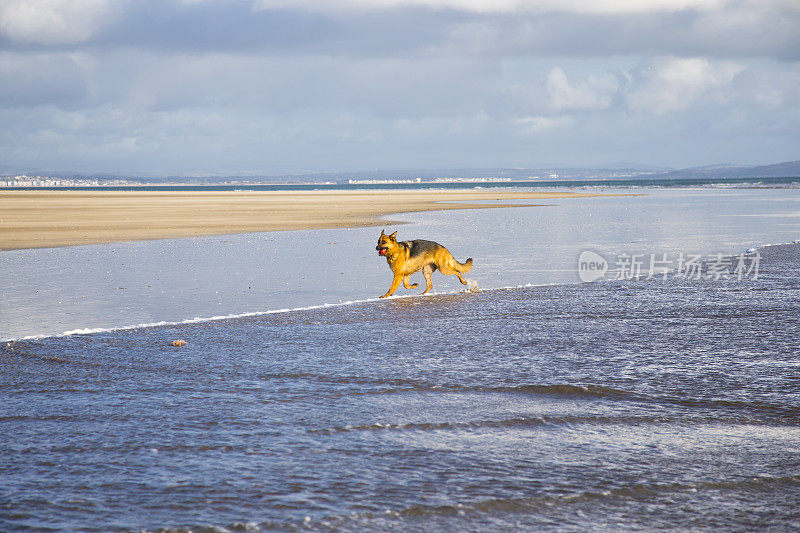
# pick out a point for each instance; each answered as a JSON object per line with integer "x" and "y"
{"x": 789, "y": 169}
{"x": 626, "y": 165}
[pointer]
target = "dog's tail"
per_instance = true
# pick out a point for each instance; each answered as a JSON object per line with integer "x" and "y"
{"x": 464, "y": 267}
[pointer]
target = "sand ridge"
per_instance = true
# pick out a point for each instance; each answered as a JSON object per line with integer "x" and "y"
{"x": 47, "y": 218}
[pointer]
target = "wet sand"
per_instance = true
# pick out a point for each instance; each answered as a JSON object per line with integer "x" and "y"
{"x": 38, "y": 219}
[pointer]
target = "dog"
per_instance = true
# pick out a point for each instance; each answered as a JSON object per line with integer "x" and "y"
{"x": 407, "y": 257}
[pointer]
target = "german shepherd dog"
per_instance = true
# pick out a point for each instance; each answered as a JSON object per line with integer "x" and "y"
{"x": 408, "y": 257}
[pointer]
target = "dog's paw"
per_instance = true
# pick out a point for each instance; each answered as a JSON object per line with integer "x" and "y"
{"x": 414, "y": 286}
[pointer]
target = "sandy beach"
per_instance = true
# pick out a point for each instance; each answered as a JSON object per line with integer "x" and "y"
{"x": 37, "y": 219}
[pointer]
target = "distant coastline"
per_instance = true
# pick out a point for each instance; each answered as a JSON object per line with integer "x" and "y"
{"x": 624, "y": 174}
{"x": 402, "y": 184}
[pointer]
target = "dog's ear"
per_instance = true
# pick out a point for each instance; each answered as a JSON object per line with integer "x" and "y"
{"x": 382, "y": 233}
{"x": 393, "y": 236}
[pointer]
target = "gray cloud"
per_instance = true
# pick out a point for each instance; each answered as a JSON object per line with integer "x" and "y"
{"x": 736, "y": 29}
{"x": 33, "y": 79}
{"x": 193, "y": 87}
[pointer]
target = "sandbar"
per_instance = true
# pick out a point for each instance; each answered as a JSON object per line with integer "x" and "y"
{"x": 47, "y": 218}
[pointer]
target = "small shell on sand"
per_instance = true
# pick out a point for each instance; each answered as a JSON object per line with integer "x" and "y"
{"x": 179, "y": 342}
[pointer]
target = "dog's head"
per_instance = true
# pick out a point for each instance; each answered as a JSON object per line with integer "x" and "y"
{"x": 386, "y": 243}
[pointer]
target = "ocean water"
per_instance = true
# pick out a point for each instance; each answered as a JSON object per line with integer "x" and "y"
{"x": 537, "y": 403}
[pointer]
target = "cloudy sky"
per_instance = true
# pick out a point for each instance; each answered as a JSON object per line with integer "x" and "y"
{"x": 274, "y": 86}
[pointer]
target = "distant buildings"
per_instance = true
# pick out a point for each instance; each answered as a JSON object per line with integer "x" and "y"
{"x": 382, "y": 181}
{"x": 420, "y": 180}
{"x": 24, "y": 180}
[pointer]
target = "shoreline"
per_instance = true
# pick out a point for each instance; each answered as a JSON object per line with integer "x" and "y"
{"x": 46, "y": 219}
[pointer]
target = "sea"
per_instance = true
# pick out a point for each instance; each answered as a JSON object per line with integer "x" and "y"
{"x": 663, "y": 394}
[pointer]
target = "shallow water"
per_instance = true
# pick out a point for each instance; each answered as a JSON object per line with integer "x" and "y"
{"x": 651, "y": 404}
{"x": 626, "y": 404}
{"x": 50, "y": 291}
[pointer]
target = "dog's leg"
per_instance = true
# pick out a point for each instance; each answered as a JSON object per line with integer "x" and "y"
{"x": 393, "y": 287}
{"x": 427, "y": 271}
{"x": 406, "y": 284}
{"x": 451, "y": 266}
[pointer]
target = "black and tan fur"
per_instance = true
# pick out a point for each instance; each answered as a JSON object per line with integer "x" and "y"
{"x": 408, "y": 257}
